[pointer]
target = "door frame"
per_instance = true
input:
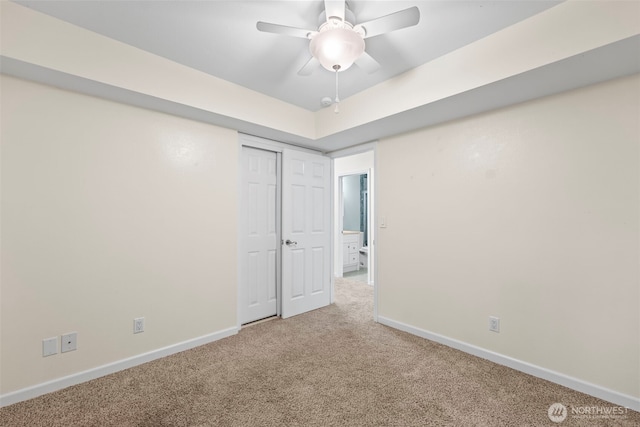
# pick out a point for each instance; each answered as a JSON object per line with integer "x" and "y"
{"x": 276, "y": 147}
{"x": 372, "y": 188}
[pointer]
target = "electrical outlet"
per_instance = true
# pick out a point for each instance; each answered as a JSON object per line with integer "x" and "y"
{"x": 49, "y": 346}
{"x": 494, "y": 324}
{"x": 138, "y": 325}
{"x": 69, "y": 342}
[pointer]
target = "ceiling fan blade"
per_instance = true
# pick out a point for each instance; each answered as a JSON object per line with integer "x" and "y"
{"x": 283, "y": 29}
{"x": 367, "y": 63}
{"x": 309, "y": 67}
{"x": 395, "y": 21}
{"x": 334, "y": 8}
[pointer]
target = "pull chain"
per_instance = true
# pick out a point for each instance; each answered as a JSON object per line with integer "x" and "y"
{"x": 337, "y": 102}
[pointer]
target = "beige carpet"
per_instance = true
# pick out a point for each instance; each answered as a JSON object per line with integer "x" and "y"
{"x": 330, "y": 367}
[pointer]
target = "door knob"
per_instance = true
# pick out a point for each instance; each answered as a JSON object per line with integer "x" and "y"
{"x": 290, "y": 242}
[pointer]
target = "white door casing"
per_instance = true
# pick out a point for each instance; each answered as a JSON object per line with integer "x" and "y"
{"x": 306, "y": 226}
{"x": 259, "y": 240}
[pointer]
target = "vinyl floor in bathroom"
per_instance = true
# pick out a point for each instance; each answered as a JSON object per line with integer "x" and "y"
{"x": 358, "y": 275}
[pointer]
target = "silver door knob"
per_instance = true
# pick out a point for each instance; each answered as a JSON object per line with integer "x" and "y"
{"x": 290, "y": 242}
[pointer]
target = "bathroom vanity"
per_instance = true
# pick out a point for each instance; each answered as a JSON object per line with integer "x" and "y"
{"x": 350, "y": 251}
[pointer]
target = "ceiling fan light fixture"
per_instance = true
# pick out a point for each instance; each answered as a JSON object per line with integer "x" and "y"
{"x": 337, "y": 47}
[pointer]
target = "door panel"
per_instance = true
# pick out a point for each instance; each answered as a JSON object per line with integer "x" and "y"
{"x": 298, "y": 208}
{"x": 272, "y": 274}
{"x": 317, "y": 257}
{"x": 259, "y": 241}
{"x": 297, "y": 273}
{"x": 306, "y": 279}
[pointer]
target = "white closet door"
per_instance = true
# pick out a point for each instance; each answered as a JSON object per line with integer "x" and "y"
{"x": 306, "y": 251}
{"x": 259, "y": 240}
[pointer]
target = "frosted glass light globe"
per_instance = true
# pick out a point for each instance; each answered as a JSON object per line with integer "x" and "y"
{"x": 337, "y": 47}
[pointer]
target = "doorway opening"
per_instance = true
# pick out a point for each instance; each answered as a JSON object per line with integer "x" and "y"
{"x": 353, "y": 217}
{"x": 355, "y": 227}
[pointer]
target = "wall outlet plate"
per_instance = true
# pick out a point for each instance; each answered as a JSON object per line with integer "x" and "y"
{"x": 49, "y": 346}
{"x": 138, "y": 325}
{"x": 69, "y": 342}
{"x": 494, "y": 324}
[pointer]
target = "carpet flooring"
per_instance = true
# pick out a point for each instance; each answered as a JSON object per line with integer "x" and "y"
{"x": 330, "y": 367}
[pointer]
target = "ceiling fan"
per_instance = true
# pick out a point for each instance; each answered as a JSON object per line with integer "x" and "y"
{"x": 338, "y": 43}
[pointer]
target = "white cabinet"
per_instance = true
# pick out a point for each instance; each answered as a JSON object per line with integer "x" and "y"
{"x": 350, "y": 251}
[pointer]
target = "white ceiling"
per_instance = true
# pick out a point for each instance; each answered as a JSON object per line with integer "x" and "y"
{"x": 221, "y": 39}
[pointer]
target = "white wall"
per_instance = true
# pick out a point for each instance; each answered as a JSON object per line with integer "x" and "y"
{"x": 51, "y": 44}
{"x": 109, "y": 212}
{"x": 531, "y": 214}
{"x": 560, "y": 32}
{"x": 46, "y": 46}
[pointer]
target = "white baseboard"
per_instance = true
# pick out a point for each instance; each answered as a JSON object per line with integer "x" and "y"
{"x": 110, "y": 368}
{"x": 537, "y": 371}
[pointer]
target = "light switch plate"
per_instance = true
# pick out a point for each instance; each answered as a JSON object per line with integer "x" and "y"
{"x": 49, "y": 346}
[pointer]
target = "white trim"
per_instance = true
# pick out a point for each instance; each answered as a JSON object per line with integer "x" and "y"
{"x": 239, "y": 230}
{"x": 271, "y": 145}
{"x": 350, "y": 151}
{"x": 371, "y": 232}
{"x": 519, "y": 365}
{"x": 337, "y": 248}
{"x": 110, "y": 368}
{"x": 278, "y": 234}
{"x": 374, "y": 236}
{"x": 332, "y": 227}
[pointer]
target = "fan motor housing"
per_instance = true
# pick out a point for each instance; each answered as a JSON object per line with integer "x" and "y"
{"x": 349, "y": 17}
